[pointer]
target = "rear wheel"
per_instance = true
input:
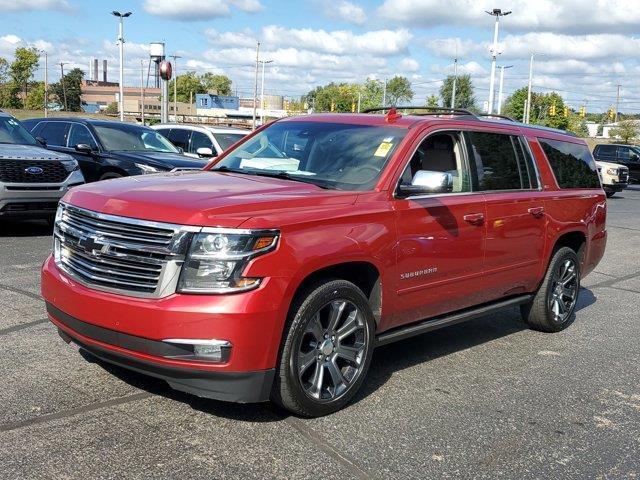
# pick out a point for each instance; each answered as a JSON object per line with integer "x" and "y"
{"x": 326, "y": 349}
{"x": 553, "y": 307}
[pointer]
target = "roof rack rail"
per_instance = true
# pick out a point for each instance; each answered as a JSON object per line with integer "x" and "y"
{"x": 429, "y": 110}
{"x": 496, "y": 115}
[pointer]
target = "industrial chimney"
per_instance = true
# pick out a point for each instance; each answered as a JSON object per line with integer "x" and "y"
{"x": 95, "y": 69}
{"x": 104, "y": 71}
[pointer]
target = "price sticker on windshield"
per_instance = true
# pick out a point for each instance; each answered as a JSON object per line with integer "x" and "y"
{"x": 383, "y": 149}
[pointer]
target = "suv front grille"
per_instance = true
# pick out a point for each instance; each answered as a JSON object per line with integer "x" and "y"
{"x": 15, "y": 171}
{"x": 119, "y": 254}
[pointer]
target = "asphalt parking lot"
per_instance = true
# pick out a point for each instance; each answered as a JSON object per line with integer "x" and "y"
{"x": 484, "y": 399}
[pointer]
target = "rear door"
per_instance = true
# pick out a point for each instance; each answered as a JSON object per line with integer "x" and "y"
{"x": 55, "y": 133}
{"x": 503, "y": 169}
{"x": 440, "y": 245}
{"x": 629, "y": 158}
{"x": 180, "y": 138}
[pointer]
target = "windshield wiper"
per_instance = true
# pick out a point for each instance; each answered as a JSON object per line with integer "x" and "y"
{"x": 226, "y": 169}
{"x": 295, "y": 178}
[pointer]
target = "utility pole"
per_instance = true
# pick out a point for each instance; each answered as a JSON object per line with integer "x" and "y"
{"x": 46, "y": 85}
{"x": 142, "y": 89}
{"x": 496, "y": 12}
{"x": 455, "y": 82}
{"x": 359, "y": 98}
{"x": 175, "y": 85}
{"x": 255, "y": 88}
{"x": 617, "y": 102}
{"x": 384, "y": 94}
{"x": 121, "y": 16}
{"x": 527, "y": 116}
{"x": 263, "y": 62}
{"x": 502, "y": 68}
{"x": 64, "y": 89}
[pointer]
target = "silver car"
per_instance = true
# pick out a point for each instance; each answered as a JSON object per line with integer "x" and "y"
{"x": 32, "y": 178}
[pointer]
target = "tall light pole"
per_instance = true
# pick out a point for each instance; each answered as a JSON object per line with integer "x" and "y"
{"x": 502, "y": 68}
{"x": 263, "y": 62}
{"x": 617, "y": 102}
{"x": 121, "y": 16}
{"x": 455, "y": 83}
{"x": 496, "y": 12}
{"x": 142, "y": 89}
{"x": 527, "y": 112}
{"x": 64, "y": 88}
{"x": 255, "y": 88}
{"x": 175, "y": 86}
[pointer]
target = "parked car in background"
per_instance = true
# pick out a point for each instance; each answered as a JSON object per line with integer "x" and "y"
{"x": 201, "y": 140}
{"x": 627, "y": 155}
{"x": 32, "y": 179}
{"x": 276, "y": 271}
{"x": 110, "y": 149}
{"x": 614, "y": 177}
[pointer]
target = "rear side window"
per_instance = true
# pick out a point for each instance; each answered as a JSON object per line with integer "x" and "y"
{"x": 606, "y": 150}
{"x": 180, "y": 138}
{"x": 499, "y": 162}
{"x": 572, "y": 164}
{"x": 55, "y": 133}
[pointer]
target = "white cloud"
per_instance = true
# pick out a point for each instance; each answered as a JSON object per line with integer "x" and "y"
{"x": 32, "y": 5}
{"x": 409, "y": 64}
{"x": 245, "y": 38}
{"x": 542, "y": 15}
{"x": 195, "y": 10}
{"x": 345, "y": 11}
{"x": 378, "y": 42}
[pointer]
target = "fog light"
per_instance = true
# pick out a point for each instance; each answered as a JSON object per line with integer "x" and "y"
{"x": 206, "y": 350}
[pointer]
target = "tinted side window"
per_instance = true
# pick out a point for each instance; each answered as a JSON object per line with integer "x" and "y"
{"x": 606, "y": 150}
{"x": 572, "y": 164}
{"x": 180, "y": 138}
{"x": 200, "y": 140}
{"x": 496, "y": 162}
{"x": 80, "y": 134}
{"x": 624, "y": 153}
{"x": 55, "y": 133}
{"x": 163, "y": 131}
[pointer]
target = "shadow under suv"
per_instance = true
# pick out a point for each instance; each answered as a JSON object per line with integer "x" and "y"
{"x": 32, "y": 179}
{"x": 111, "y": 149}
{"x": 276, "y": 271}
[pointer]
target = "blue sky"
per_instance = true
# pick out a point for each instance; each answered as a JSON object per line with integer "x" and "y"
{"x": 589, "y": 46}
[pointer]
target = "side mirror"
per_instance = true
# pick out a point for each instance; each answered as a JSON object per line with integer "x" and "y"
{"x": 181, "y": 150}
{"x": 427, "y": 182}
{"x": 83, "y": 148}
{"x": 42, "y": 141}
{"x": 205, "y": 152}
{"x": 634, "y": 156}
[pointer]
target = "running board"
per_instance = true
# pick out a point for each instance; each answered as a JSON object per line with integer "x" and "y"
{"x": 451, "y": 319}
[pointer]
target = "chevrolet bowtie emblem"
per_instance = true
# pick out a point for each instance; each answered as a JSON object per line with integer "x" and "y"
{"x": 92, "y": 245}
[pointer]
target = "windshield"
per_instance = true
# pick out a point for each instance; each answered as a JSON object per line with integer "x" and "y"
{"x": 12, "y": 131}
{"x": 133, "y": 138}
{"x": 225, "y": 140}
{"x": 333, "y": 155}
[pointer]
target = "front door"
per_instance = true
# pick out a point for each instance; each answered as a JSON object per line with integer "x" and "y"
{"x": 440, "y": 237}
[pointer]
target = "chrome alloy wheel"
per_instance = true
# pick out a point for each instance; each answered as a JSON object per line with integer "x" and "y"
{"x": 564, "y": 290}
{"x": 332, "y": 351}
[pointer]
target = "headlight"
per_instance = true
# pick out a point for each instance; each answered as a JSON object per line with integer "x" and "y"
{"x": 612, "y": 171}
{"x": 147, "y": 168}
{"x": 70, "y": 165}
{"x": 216, "y": 260}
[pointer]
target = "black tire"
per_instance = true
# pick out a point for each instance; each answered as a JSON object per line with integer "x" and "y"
{"x": 543, "y": 312}
{"x": 610, "y": 194}
{"x": 290, "y": 389}
{"x": 110, "y": 175}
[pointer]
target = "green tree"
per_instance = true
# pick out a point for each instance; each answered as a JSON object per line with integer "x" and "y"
{"x": 188, "y": 84}
{"x": 542, "y": 108}
{"x": 465, "y": 95}
{"x": 112, "y": 109}
{"x": 69, "y": 87}
{"x": 220, "y": 84}
{"x": 4, "y": 86}
{"x": 626, "y": 131}
{"x": 25, "y": 63}
{"x": 371, "y": 94}
{"x": 399, "y": 90}
{"x": 35, "y": 97}
{"x": 514, "y": 104}
{"x": 333, "y": 97}
{"x": 432, "y": 101}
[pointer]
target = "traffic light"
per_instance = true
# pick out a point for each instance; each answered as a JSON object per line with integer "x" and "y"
{"x": 583, "y": 111}
{"x": 353, "y": 107}
{"x": 611, "y": 113}
{"x": 333, "y": 106}
{"x": 552, "y": 110}
{"x": 565, "y": 113}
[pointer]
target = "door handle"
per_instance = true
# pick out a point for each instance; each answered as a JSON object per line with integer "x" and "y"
{"x": 474, "y": 218}
{"x": 536, "y": 211}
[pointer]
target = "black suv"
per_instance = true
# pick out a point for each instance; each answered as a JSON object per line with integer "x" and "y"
{"x": 109, "y": 149}
{"x": 627, "y": 155}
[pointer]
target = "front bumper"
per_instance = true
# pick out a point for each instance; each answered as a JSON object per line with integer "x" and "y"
{"x": 615, "y": 186}
{"x": 129, "y": 331}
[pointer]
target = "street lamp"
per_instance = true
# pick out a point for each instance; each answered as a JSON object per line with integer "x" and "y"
{"x": 496, "y": 12}
{"x": 502, "y": 67}
{"x": 527, "y": 109}
{"x": 122, "y": 16}
{"x": 175, "y": 86}
{"x": 263, "y": 62}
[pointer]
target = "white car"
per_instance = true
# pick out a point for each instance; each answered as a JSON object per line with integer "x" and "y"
{"x": 614, "y": 177}
{"x": 200, "y": 140}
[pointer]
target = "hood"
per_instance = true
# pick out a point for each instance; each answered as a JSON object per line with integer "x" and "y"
{"x": 203, "y": 198}
{"x": 609, "y": 165}
{"x": 10, "y": 151}
{"x": 168, "y": 161}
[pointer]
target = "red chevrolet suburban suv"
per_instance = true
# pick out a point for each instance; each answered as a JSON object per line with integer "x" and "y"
{"x": 276, "y": 271}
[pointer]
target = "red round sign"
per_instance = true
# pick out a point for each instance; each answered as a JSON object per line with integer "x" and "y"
{"x": 165, "y": 70}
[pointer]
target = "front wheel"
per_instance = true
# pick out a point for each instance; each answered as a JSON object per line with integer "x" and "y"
{"x": 326, "y": 350}
{"x": 610, "y": 193}
{"x": 553, "y": 306}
